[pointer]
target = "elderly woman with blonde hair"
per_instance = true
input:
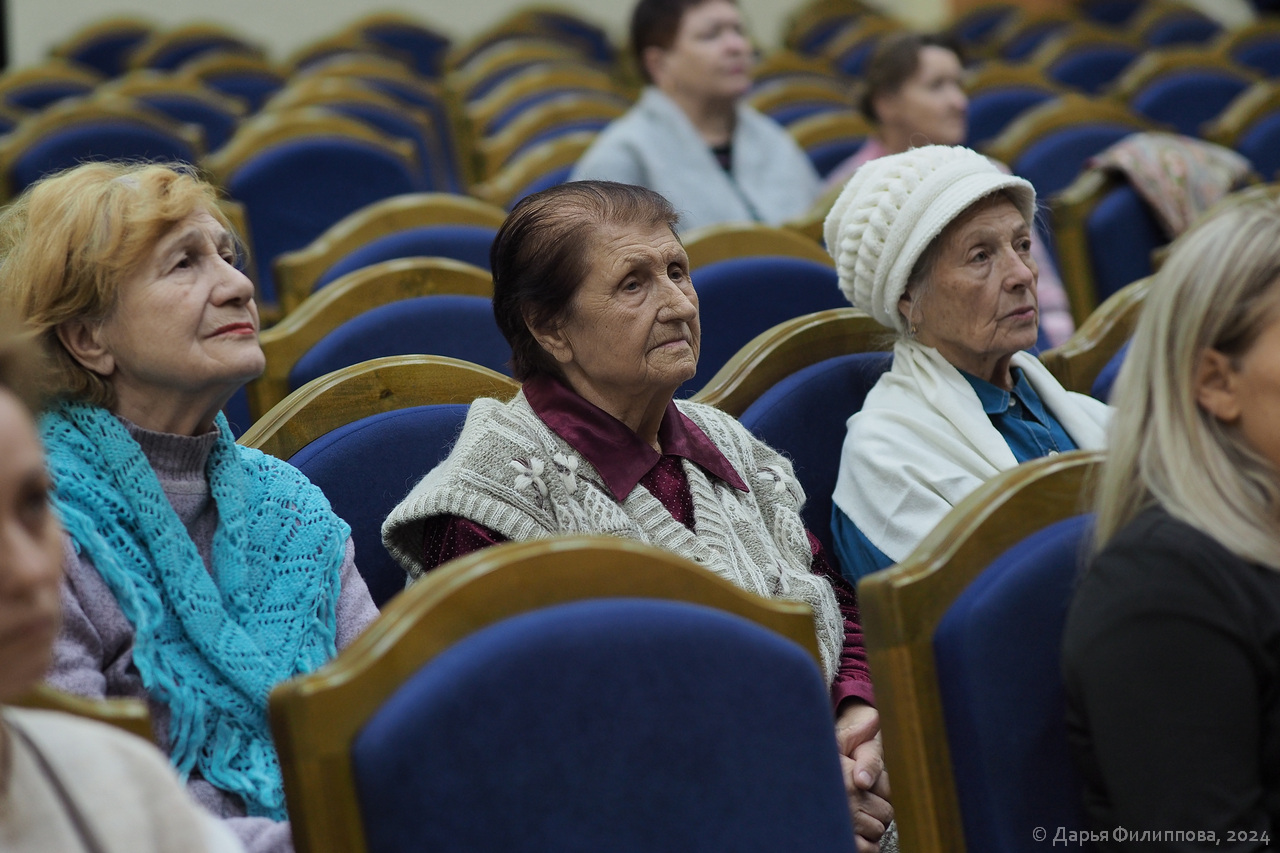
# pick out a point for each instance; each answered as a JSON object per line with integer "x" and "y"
{"x": 1172, "y": 648}
{"x": 199, "y": 573}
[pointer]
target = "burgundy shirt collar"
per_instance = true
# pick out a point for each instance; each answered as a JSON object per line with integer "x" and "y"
{"x": 617, "y": 453}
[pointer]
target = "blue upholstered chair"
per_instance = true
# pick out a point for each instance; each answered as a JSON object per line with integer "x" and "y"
{"x": 545, "y": 165}
{"x": 32, "y": 89}
{"x": 460, "y": 327}
{"x": 424, "y": 46}
{"x": 1161, "y": 25}
{"x": 239, "y": 418}
{"x": 741, "y": 298}
{"x": 1104, "y": 233}
{"x": 964, "y": 636}
{"x": 997, "y": 650}
{"x": 73, "y": 132}
{"x": 183, "y": 99}
{"x": 169, "y": 49}
{"x": 1187, "y": 98}
{"x": 829, "y": 138}
{"x": 300, "y": 172}
{"x": 675, "y": 714}
{"x": 851, "y": 48}
{"x": 1110, "y": 12}
{"x": 1087, "y": 62}
{"x": 1255, "y": 46}
{"x": 1079, "y": 361}
{"x": 1107, "y": 377}
{"x": 367, "y": 467}
{"x": 1023, "y": 34}
{"x": 467, "y": 243}
{"x": 1049, "y": 144}
{"x": 252, "y": 79}
{"x": 993, "y": 109}
{"x": 977, "y": 25}
{"x": 804, "y": 416}
{"x": 1251, "y": 125}
{"x": 105, "y": 45}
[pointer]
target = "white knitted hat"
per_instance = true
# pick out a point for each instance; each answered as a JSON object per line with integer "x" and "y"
{"x": 892, "y": 209}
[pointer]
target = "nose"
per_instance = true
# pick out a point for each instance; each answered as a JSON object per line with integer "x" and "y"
{"x": 680, "y": 302}
{"x": 1019, "y": 271}
{"x": 235, "y": 287}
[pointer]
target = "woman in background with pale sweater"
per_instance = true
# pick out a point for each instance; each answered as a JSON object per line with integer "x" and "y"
{"x": 690, "y": 137}
{"x": 199, "y": 573}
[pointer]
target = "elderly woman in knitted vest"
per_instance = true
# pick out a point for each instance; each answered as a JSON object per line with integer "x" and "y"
{"x": 592, "y": 290}
{"x": 935, "y": 243}
{"x": 199, "y": 574}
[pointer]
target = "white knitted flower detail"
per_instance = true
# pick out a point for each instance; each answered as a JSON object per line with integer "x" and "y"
{"x": 568, "y": 470}
{"x": 776, "y": 478}
{"x": 530, "y": 474}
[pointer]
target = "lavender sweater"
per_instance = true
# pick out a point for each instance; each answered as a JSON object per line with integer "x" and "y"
{"x": 93, "y": 655}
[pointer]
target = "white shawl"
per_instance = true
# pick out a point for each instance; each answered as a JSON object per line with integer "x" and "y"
{"x": 922, "y": 442}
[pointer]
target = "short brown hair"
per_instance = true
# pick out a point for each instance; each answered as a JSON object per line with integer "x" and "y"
{"x": 71, "y": 239}
{"x": 655, "y": 23}
{"x": 895, "y": 59}
{"x": 542, "y": 253}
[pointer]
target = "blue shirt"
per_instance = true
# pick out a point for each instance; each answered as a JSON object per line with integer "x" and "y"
{"x": 1020, "y": 417}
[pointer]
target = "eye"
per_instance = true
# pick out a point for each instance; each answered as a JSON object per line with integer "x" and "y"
{"x": 631, "y": 285}
{"x": 184, "y": 262}
{"x": 980, "y": 256}
{"x": 676, "y": 273}
{"x": 33, "y": 507}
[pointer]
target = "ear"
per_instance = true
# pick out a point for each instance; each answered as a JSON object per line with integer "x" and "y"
{"x": 885, "y": 106}
{"x": 84, "y": 341}
{"x": 554, "y": 341}
{"x": 1217, "y": 390}
{"x": 904, "y": 306}
{"x": 652, "y": 58}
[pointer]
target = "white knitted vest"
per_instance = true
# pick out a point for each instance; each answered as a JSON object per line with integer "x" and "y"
{"x": 512, "y": 474}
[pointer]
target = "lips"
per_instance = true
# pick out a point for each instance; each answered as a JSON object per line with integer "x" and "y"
{"x": 243, "y": 328}
{"x": 1023, "y": 313}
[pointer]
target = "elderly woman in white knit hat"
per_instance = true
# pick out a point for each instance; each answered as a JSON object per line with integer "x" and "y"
{"x": 935, "y": 243}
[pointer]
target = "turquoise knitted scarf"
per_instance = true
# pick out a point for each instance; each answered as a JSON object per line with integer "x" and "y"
{"x": 209, "y": 645}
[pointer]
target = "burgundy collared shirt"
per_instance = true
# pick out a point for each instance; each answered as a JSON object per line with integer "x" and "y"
{"x": 624, "y": 461}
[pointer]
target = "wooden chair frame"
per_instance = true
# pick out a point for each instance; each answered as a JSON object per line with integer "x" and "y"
{"x": 1155, "y": 63}
{"x": 1022, "y": 21}
{"x": 1238, "y": 118}
{"x": 785, "y": 66}
{"x": 346, "y": 298}
{"x": 315, "y": 718}
{"x": 792, "y": 345}
{"x": 714, "y": 243}
{"x": 496, "y": 151}
{"x": 103, "y": 29}
{"x": 829, "y": 127}
{"x": 214, "y": 63}
{"x": 998, "y": 74}
{"x": 961, "y": 20}
{"x": 772, "y": 96}
{"x": 368, "y": 388}
{"x": 164, "y": 40}
{"x": 130, "y": 715}
{"x": 1081, "y": 35}
{"x": 502, "y": 188}
{"x": 819, "y": 13}
{"x": 480, "y": 113}
{"x": 1068, "y": 110}
{"x": 148, "y": 81}
{"x": 902, "y": 606}
{"x": 1071, "y": 210}
{"x": 532, "y": 51}
{"x": 1263, "y": 28}
{"x": 1154, "y": 14}
{"x": 1077, "y": 362}
{"x": 53, "y": 71}
{"x": 296, "y": 272}
{"x": 870, "y": 28}
{"x": 79, "y": 110}
{"x": 811, "y": 223}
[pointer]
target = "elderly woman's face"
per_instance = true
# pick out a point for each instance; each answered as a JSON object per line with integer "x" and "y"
{"x": 185, "y": 325}
{"x": 978, "y": 306}
{"x": 631, "y": 331}
{"x": 30, "y": 554}
{"x": 931, "y": 107}
{"x": 710, "y": 57}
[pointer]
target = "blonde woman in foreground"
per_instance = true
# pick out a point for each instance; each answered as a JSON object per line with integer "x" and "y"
{"x": 1172, "y": 649}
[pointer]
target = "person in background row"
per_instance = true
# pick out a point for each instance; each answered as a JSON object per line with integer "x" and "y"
{"x": 65, "y": 783}
{"x": 592, "y": 290}
{"x": 914, "y": 96}
{"x": 199, "y": 573}
{"x": 935, "y": 243}
{"x": 1184, "y": 587}
{"x": 690, "y": 137}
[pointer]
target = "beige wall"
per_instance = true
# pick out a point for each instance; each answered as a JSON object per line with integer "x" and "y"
{"x": 283, "y": 25}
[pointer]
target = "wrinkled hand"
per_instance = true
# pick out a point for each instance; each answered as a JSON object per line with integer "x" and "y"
{"x": 865, "y": 781}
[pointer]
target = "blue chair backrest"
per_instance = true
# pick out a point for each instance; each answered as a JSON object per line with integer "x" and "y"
{"x": 399, "y": 125}
{"x": 1029, "y": 39}
{"x": 978, "y": 26}
{"x": 367, "y": 467}
{"x": 1053, "y": 161}
{"x": 992, "y": 110}
{"x": 519, "y": 107}
{"x": 469, "y": 243}
{"x": 178, "y": 53}
{"x": 1261, "y": 54}
{"x": 1185, "y": 28}
{"x": 457, "y": 326}
{"x": 1106, "y": 378}
{"x": 440, "y": 120}
{"x": 854, "y": 60}
{"x": 1121, "y": 232}
{"x": 742, "y": 297}
{"x": 1091, "y": 68}
{"x": 804, "y": 417}
{"x": 826, "y": 156}
{"x": 218, "y": 124}
{"x": 237, "y": 412}
{"x": 108, "y": 139}
{"x": 997, "y": 652}
{"x": 1187, "y": 99}
{"x": 426, "y": 48}
{"x": 37, "y": 96}
{"x": 557, "y": 131}
{"x": 1110, "y": 11}
{"x": 109, "y": 54}
{"x": 551, "y": 178}
{"x": 295, "y": 190}
{"x": 643, "y": 708}
{"x": 1261, "y": 144}
{"x": 793, "y": 111}
{"x": 253, "y": 87}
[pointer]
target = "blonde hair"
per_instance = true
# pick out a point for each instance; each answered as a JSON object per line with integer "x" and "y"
{"x": 70, "y": 241}
{"x": 22, "y": 367}
{"x": 1218, "y": 289}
